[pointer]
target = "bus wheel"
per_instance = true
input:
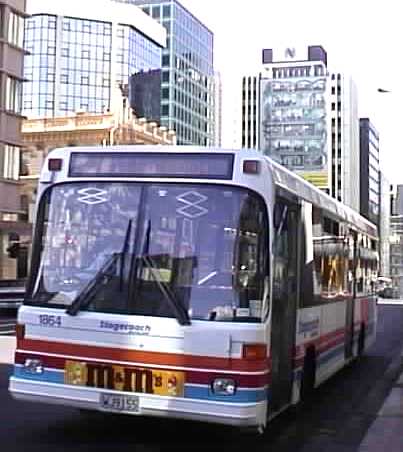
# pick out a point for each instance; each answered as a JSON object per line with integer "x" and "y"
{"x": 257, "y": 430}
{"x": 361, "y": 341}
{"x": 308, "y": 375}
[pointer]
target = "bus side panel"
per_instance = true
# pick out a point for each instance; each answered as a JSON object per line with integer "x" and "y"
{"x": 365, "y": 317}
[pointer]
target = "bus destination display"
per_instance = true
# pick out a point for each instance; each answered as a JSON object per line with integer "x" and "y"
{"x": 122, "y": 164}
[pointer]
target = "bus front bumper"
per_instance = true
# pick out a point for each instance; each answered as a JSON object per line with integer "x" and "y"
{"x": 235, "y": 414}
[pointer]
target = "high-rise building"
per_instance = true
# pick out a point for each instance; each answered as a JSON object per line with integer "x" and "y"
{"x": 396, "y": 238}
{"x": 145, "y": 94}
{"x": 305, "y": 118}
{"x": 12, "y": 14}
{"x": 78, "y": 53}
{"x": 345, "y": 141}
{"x": 384, "y": 225}
{"x": 218, "y": 115}
{"x": 251, "y": 100}
{"x": 369, "y": 171}
{"x": 187, "y": 93}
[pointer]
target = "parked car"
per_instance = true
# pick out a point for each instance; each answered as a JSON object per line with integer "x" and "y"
{"x": 11, "y": 293}
{"x": 389, "y": 292}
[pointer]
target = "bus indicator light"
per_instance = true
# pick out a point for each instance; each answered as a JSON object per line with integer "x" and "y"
{"x": 33, "y": 366}
{"x": 254, "y": 351}
{"x": 20, "y": 331}
{"x": 55, "y": 164}
{"x": 251, "y": 166}
{"x": 224, "y": 386}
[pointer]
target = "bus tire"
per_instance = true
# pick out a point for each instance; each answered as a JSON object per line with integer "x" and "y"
{"x": 253, "y": 431}
{"x": 308, "y": 375}
{"x": 361, "y": 341}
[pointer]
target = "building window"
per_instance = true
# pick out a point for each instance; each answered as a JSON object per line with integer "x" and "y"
{"x": 165, "y": 76}
{"x": 156, "y": 12}
{"x": 13, "y": 95}
{"x": 166, "y": 11}
{"x": 2, "y": 22}
{"x": 10, "y": 162}
{"x": 16, "y": 30}
{"x": 52, "y": 23}
{"x": 165, "y": 110}
{"x": 165, "y": 93}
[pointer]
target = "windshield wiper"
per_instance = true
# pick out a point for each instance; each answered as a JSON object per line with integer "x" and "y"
{"x": 177, "y": 307}
{"x": 124, "y": 252}
{"x": 85, "y": 297}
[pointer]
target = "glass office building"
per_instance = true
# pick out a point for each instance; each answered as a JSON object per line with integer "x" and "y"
{"x": 76, "y": 60}
{"x": 187, "y": 91}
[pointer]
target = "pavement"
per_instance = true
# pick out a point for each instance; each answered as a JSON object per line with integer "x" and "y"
{"x": 7, "y": 347}
{"x": 386, "y": 431}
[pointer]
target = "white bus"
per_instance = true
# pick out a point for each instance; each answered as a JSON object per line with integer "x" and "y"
{"x": 211, "y": 285}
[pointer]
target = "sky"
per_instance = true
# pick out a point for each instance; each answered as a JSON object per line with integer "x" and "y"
{"x": 363, "y": 39}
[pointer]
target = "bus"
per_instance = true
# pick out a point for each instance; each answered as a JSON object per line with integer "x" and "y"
{"x": 202, "y": 284}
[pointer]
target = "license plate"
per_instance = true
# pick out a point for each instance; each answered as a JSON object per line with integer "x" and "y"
{"x": 124, "y": 379}
{"x": 119, "y": 403}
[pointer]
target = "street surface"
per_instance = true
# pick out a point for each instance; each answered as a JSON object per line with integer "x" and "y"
{"x": 339, "y": 418}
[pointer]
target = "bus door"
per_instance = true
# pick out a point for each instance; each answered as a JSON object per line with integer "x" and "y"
{"x": 350, "y": 302}
{"x": 284, "y": 301}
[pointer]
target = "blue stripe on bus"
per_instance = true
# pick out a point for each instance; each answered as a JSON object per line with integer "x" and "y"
{"x": 50, "y": 376}
{"x": 192, "y": 392}
{"x": 241, "y": 395}
{"x": 331, "y": 354}
{"x": 328, "y": 355}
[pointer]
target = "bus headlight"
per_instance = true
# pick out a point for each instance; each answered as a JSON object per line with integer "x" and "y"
{"x": 33, "y": 366}
{"x": 223, "y": 386}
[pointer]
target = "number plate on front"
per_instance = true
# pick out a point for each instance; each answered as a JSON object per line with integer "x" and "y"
{"x": 125, "y": 379}
{"x": 116, "y": 402}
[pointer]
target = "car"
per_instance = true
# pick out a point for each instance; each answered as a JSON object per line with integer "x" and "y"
{"x": 11, "y": 294}
{"x": 389, "y": 292}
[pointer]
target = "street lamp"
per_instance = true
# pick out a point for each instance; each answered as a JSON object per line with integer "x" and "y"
{"x": 381, "y": 90}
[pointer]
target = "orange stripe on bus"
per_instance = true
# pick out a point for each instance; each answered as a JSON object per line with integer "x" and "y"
{"x": 157, "y": 358}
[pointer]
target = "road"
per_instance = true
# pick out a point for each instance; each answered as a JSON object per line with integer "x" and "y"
{"x": 337, "y": 419}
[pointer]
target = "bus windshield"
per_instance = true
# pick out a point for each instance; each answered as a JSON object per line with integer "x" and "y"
{"x": 151, "y": 249}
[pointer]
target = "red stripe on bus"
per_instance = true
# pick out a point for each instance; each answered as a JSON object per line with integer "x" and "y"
{"x": 192, "y": 377}
{"x": 149, "y": 358}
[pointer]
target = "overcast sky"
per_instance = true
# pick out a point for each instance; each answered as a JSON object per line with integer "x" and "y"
{"x": 362, "y": 39}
